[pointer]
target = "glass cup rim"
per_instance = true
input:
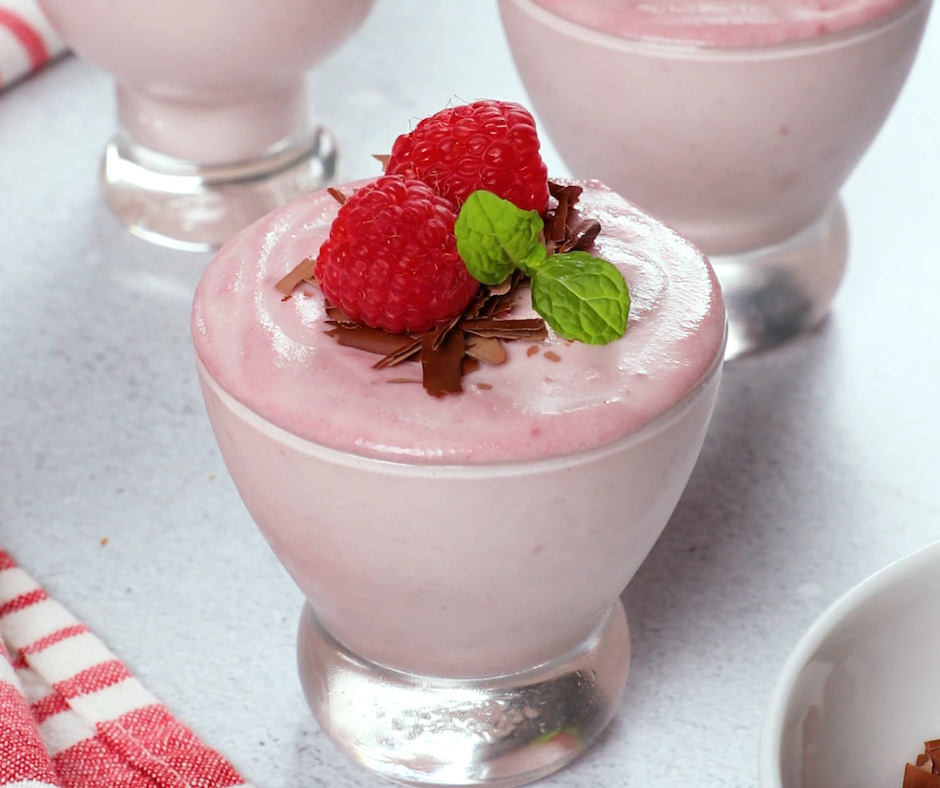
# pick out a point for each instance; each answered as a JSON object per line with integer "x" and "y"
{"x": 685, "y": 50}
{"x": 452, "y": 470}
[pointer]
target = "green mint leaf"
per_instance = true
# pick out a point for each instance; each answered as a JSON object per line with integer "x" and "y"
{"x": 582, "y": 297}
{"x": 494, "y": 237}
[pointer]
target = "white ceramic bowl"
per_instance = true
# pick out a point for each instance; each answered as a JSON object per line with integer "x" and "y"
{"x": 859, "y": 695}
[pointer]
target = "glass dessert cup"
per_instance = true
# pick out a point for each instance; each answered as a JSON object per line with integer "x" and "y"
{"x": 742, "y": 150}
{"x": 213, "y": 121}
{"x": 463, "y": 623}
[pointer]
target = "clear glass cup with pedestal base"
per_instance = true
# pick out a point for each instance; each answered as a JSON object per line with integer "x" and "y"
{"x": 742, "y": 148}
{"x": 463, "y": 624}
{"x": 462, "y": 557}
{"x": 214, "y": 127}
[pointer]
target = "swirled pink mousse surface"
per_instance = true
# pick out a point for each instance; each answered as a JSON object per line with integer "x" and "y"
{"x": 275, "y": 357}
{"x": 721, "y": 23}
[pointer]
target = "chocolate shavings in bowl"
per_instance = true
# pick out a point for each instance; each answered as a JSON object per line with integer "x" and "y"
{"x": 926, "y": 772}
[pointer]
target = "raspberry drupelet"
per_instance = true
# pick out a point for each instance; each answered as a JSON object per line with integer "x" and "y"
{"x": 490, "y": 145}
{"x": 391, "y": 258}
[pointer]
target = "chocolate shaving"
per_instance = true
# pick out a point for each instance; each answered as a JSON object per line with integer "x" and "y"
{"x": 469, "y": 365}
{"x": 503, "y": 298}
{"x": 925, "y": 771}
{"x": 398, "y": 356}
{"x": 299, "y": 273}
{"x": 441, "y": 334}
{"x": 338, "y": 317}
{"x": 383, "y": 158}
{"x": 532, "y": 350}
{"x": 571, "y": 191}
{"x": 528, "y": 328}
{"x": 487, "y": 350}
{"x": 372, "y": 340}
{"x": 582, "y": 236}
{"x": 484, "y": 386}
{"x": 918, "y": 778}
{"x": 336, "y": 194}
{"x": 556, "y": 225}
{"x": 552, "y": 356}
{"x": 441, "y": 362}
{"x": 504, "y": 287}
{"x": 403, "y": 380}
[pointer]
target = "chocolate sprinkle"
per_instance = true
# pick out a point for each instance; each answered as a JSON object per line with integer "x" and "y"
{"x": 918, "y": 778}
{"x": 407, "y": 351}
{"x": 337, "y": 195}
{"x": 556, "y": 228}
{"x": 488, "y": 350}
{"x": 299, "y": 273}
{"x": 925, "y": 772}
{"x": 582, "y": 236}
{"x": 570, "y": 190}
{"x": 441, "y": 362}
{"x": 532, "y": 329}
{"x": 338, "y": 316}
{"x": 469, "y": 365}
{"x": 372, "y": 340}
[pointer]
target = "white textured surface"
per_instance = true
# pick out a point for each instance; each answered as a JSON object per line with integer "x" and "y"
{"x": 821, "y": 465}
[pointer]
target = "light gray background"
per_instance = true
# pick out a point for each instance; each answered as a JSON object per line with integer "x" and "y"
{"x": 821, "y": 465}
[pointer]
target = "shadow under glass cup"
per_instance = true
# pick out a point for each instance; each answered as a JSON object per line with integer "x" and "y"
{"x": 742, "y": 150}
{"x": 214, "y": 128}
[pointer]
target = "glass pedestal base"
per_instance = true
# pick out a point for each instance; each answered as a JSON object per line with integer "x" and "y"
{"x": 198, "y": 208}
{"x": 503, "y": 731}
{"x": 778, "y": 292}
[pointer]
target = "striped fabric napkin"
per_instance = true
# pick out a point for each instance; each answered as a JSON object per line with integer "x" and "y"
{"x": 27, "y": 40}
{"x": 72, "y": 715}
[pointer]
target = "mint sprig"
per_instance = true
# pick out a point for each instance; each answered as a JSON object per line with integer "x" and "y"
{"x": 494, "y": 237}
{"x": 580, "y": 296}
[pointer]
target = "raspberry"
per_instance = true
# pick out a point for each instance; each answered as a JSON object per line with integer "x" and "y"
{"x": 391, "y": 258}
{"x": 489, "y": 145}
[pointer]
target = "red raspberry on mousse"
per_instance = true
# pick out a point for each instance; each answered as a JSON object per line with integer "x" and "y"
{"x": 391, "y": 258}
{"x": 490, "y": 145}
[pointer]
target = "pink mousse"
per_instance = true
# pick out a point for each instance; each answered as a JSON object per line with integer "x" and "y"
{"x": 721, "y": 23}
{"x": 275, "y": 357}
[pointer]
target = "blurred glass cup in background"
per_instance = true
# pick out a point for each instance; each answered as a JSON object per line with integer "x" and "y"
{"x": 743, "y": 149}
{"x": 214, "y": 127}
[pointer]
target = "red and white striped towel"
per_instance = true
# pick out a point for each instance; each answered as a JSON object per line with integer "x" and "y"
{"x": 27, "y": 40}
{"x": 72, "y": 715}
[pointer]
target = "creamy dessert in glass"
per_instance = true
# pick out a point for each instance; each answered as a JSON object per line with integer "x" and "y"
{"x": 214, "y": 127}
{"x": 736, "y": 123}
{"x": 461, "y": 545}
